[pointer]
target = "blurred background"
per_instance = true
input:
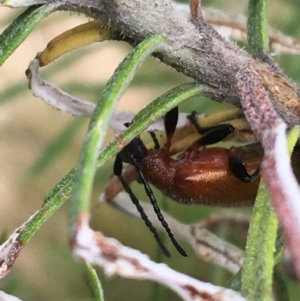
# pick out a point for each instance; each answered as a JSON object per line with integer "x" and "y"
{"x": 39, "y": 145}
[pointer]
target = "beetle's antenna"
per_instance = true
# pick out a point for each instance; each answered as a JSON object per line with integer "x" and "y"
{"x": 118, "y": 166}
{"x": 171, "y": 119}
{"x": 156, "y": 207}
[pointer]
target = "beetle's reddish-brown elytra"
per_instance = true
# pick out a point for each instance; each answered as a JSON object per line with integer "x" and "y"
{"x": 214, "y": 176}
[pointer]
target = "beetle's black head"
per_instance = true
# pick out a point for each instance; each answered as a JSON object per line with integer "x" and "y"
{"x": 135, "y": 149}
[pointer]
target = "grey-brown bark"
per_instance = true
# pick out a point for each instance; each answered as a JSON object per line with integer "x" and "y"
{"x": 198, "y": 51}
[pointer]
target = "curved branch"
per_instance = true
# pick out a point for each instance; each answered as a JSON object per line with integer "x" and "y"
{"x": 192, "y": 48}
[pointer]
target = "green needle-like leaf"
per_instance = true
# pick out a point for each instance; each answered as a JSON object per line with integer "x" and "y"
{"x": 20, "y": 28}
{"x": 99, "y": 123}
{"x": 260, "y": 256}
{"x": 62, "y": 191}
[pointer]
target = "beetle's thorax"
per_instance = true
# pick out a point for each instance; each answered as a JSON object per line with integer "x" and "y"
{"x": 157, "y": 168}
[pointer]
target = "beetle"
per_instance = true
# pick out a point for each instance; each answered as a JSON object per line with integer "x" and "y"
{"x": 214, "y": 176}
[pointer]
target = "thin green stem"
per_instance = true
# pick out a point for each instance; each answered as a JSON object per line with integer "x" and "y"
{"x": 258, "y": 28}
{"x": 95, "y": 283}
{"x": 259, "y": 257}
{"x": 235, "y": 282}
{"x": 58, "y": 195}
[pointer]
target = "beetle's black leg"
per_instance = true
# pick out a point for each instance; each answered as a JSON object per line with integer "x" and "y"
{"x": 202, "y": 130}
{"x": 156, "y": 207}
{"x": 155, "y": 140}
{"x": 193, "y": 119}
{"x": 239, "y": 170}
{"x": 210, "y": 135}
{"x": 213, "y": 134}
{"x": 170, "y": 122}
{"x": 118, "y": 166}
